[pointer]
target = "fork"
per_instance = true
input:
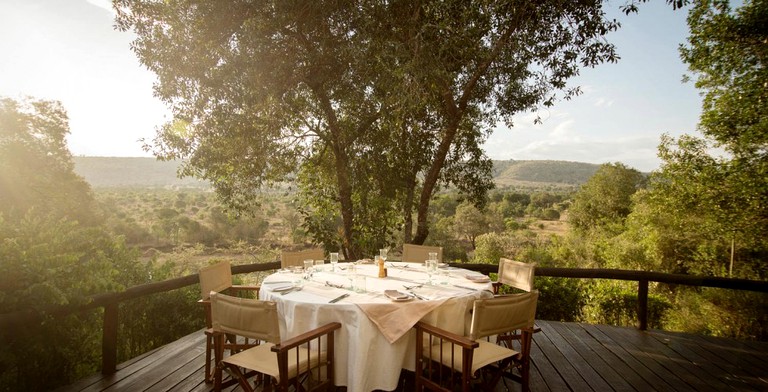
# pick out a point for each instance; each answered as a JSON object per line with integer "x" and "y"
{"x": 416, "y": 286}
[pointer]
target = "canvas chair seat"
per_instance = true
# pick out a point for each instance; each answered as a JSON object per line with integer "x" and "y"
{"x": 283, "y": 361}
{"x": 263, "y": 360}
{"x": 473, "y": 357}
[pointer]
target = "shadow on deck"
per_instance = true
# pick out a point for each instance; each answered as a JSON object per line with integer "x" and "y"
{"x": 565, "y": 356}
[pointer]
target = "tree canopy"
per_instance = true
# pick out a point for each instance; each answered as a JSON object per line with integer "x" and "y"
{"x": 374, "y": 101}
{"x": 606, "y": 199}
{"x": 36, "y": 169}
{"x": 705, "y": 212}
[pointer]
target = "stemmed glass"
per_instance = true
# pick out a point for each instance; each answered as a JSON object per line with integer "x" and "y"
{"x": 383, "y": 255}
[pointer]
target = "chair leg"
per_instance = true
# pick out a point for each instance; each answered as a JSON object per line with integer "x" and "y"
{"x": 208, "y": 349}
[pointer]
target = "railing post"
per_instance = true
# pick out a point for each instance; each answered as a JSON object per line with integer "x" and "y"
{"x": 642, "y": 304}
{"x": 109, "y": 339}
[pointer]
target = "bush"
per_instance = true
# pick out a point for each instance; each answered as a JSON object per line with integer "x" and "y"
{"x": 560, "y": 299}
{"x": 490, "y": 248}
{"x": 719, "y": 312}
{"x": 615, "y": 303}
{"x": 550, "y": 214}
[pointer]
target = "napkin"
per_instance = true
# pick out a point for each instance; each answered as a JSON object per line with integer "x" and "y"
{"x": 396, "y": 319}
{"x": 282, "y": 287}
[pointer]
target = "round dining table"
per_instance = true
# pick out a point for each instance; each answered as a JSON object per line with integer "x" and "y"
{"x": 376, "y": 340}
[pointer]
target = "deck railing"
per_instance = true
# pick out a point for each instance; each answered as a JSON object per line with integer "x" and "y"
{"x": 111, "y": 301}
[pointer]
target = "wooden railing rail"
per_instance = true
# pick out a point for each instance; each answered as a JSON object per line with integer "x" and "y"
{"x": 110, "y": 301}
{"x": 641, "y": 277}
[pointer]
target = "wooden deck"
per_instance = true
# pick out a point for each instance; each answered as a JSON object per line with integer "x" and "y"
{"x": 566, "y": 357}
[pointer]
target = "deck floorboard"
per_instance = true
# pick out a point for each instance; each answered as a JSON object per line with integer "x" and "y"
{"x": 565, "y": 357}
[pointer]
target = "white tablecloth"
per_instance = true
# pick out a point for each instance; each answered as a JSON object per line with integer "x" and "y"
{"x": 367, "y": 359}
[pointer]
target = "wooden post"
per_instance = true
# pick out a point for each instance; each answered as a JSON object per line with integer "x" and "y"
{"x": 109, "y": 340}
{"x": 642, "y": 304}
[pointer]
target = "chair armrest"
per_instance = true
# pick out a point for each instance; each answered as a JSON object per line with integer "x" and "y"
{"x": 459, "y": 340}
{"x": 306, "y": 337}
{"x": 244, "y": 287}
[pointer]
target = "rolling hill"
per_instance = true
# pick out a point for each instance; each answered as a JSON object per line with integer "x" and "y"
{"x": 105, "y": 172}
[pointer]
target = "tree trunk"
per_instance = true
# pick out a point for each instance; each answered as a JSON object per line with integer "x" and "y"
{"x": 408, "y": 208}
{"x": 345, "y": 198}
{"x": 430, "y": 182}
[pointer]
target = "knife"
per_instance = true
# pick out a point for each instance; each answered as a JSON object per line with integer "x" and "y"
{"x": 465, "y": 287}
{"x": 418, "y": 296}
{"x": 339, "y": 298}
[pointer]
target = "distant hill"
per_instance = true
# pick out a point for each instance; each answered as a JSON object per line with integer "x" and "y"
{"x": 510, "y": 173}
{"x": 104, "y": 172}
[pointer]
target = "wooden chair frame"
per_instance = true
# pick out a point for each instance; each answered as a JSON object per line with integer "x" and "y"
{"x": 473, "y": 361}
{"x": 218, "y": 278}
{"x": 258, "y": 320}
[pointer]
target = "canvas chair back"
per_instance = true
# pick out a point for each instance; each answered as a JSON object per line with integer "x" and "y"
{"x": 291, "y": 259}
{"x": 504, "y": 313}
{"x": 217, "y": 277}
{"x": 245, "y": 317}
{"x": 516, "y": 274}
{"x": 420, "y": 253}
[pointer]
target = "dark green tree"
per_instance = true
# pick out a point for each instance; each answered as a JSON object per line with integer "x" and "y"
{"x": 386, "y": 101}
{"x": 605, "y": 200}
{"x": 708, "y": 213}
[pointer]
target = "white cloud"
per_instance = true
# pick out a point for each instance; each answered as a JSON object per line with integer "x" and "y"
{"x": 603, "y": 102}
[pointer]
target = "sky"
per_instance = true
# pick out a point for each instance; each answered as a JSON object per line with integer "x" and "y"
{"x": 68, "y": 50}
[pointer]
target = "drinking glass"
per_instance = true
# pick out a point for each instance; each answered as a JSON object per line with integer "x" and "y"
{"x": 383, "y": 254}
{"x": 319, "y": 265}
{"x": 433, "y": 256}
{"x": 334, "y": 260}
{"x": 358, "y": 283}
{"x": 431, "y": 269}
{"x": 308, "y": 269}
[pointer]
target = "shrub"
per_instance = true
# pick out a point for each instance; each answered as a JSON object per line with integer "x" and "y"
{"x": 615, "y": 303}
{"x": 490, "y": 248}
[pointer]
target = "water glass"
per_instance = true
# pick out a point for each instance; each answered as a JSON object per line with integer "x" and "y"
{"x": 319, "y": 265}
{"x": 431, "y": 266}
{"x": 334, "y": 260}
{"x": 358, "y": 283}
{"x": 308, "y": 269}
{"x": 433, "y": 256}
{"x": 383, "y": 254}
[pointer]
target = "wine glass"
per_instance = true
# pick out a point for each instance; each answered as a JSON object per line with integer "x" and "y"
{"x": 383, "y": 255}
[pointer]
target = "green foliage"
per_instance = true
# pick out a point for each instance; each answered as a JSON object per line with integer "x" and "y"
{"x": 491, "y": 247}
{"x": 717, "y": 312}
{"x": 48, "y": 261}
{"x": 605, "y": 200}
{"x": 615, "y": 303}
{"x": 726, "y": 52}
{"x": 35, "y": 165}
{"x": 469, "y": 222}
{"x": 391, "y": 107}
{"x": 550, "y": 214}
{"x": 560, "y": 299}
